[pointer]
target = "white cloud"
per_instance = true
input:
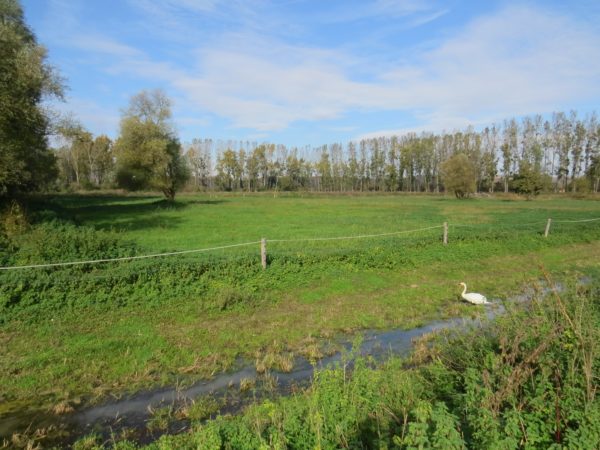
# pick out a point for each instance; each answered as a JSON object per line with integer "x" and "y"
{"x": 270, "y": 91}
{"x": 519, "y": 61}
{"x": 426, "y": 18}
{"x": 102, "y": 44}
{"x": 169, "y": 6}
{"x": 96, "y": 118}
{"x": 380, "y": 8}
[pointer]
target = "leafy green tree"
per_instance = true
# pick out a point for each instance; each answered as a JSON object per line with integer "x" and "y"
{"x": 489, "y": 159}
{"x": 377, "y": 164}
{"x": 323, "y": 167}
{"x": 101, "y": 161}
{"x": 579, "y": 138}
{"x": 391, "y": 168}
{"x": 73, "y": 154}
{"x": 563, "y": 140}
{"x": 509, "y": 150}
{"x": 353, "y": 168}
{"x": 593, "y": 173}
{"x": 26, "y": 163}
{"x": 298, "y": 172}
{"x": 528, "y": 180}
{"x": 257, "y": 167}
{"x": 148, "y": 151}
{"x": 459, "y": 175}
{"x": 229, "y": 170}
{"x": 198, "y": 157}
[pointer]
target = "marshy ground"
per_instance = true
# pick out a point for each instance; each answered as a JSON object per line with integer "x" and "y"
{"x": 74, "y": 337}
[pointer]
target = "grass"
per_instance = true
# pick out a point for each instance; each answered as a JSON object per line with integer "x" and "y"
{"x": 221, "y": 219}
{"x": 311, "y": 292}
{"x": 199, "y": 409}
{"x": 526, "y": 380}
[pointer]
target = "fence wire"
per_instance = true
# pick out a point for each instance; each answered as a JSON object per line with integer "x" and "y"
{"x": 292, "y": 240}
{"x": 360, "y": 236}
{"x": 128, "y": 258}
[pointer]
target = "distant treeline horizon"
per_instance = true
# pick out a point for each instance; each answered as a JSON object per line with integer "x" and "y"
{"x": 563, "y": 152}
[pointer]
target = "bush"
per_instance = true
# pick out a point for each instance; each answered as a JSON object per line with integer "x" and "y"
{"x": 57, "y": 241}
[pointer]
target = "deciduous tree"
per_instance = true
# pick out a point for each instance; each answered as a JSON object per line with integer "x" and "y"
{"x": 528, "y": 180}
{"x": 26, "y": 163}
{"x": 148, "y": 151}
{"x": 459, "y": 175}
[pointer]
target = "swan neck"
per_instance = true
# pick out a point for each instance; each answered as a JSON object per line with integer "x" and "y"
{"x": 464, "y": 289}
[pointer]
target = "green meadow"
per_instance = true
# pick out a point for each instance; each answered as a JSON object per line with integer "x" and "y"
{"x": 79, "y": 334}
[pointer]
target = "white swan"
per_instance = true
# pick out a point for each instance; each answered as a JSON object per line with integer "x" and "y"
{"x": 473, "y": 297}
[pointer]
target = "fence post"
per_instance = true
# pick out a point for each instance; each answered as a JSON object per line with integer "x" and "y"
{"x": 445, "y": 233}
{"x": 547, "y": 228}
{"x": 263, "y": 253}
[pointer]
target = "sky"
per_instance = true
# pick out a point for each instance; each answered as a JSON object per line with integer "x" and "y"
{"x": 304, "y": 72}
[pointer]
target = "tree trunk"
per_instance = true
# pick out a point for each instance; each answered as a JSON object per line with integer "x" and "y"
{"x": 169, "y": 193}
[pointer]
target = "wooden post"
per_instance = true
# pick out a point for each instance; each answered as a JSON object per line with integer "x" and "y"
{"x": 445, "y": 233}
{"x": 263, "y": 253}
{"x": 547, "y": 228}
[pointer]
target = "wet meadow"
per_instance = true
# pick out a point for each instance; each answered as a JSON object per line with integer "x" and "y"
{"x": 80, "y": 335}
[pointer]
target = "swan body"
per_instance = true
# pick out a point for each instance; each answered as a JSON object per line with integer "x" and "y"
{"x": 473, "y": 297}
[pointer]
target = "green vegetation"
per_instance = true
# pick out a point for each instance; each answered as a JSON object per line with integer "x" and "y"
{"x": 161, "y": 418}
{"x": 459, "y": 175}
{"x": 199, "y": 409}
{"x": 26, "y": 162}
{"x": 528, "y": 380}
{"x": 148, "y": 152}
{"x": 83, "y": 161}
{"x": 73, "y": 334}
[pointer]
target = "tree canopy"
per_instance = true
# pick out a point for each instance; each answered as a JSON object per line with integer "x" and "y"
{"x": 26, "y": 162}
{"x": 83, "y": 161}
{"x": 148, "y": 151}
{"x": 459, "y": 175}
{"x": 528, "y": 181}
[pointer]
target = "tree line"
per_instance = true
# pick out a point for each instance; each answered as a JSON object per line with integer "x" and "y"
{"x": 558, "y": 153}
{"x": 528, "y": 155}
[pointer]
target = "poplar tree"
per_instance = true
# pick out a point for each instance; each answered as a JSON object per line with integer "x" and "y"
{"x": 198, "y": 158}
{"x": 509, "y": 150}
{"x": 228, "y": 170}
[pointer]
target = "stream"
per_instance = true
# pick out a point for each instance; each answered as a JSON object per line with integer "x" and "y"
{"x": 129, "y": 416}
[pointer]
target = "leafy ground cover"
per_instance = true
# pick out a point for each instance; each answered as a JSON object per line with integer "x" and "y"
{"x": 77, "y": 334}
{"x": 527, "y": 380}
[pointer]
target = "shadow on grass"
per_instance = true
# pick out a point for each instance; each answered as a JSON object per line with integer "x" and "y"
{"x": 132, "y": 212}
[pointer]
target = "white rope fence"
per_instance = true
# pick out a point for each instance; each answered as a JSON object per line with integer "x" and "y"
{"x": 576, "y": 221}
{"x": 360, "y": 236}
{"x": 263, "y": 242}
{"x": 127, "y": 258}
{"x": 492, "y": 225}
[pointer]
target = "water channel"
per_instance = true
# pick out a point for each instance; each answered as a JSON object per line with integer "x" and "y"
{"x": 131, "y": 413}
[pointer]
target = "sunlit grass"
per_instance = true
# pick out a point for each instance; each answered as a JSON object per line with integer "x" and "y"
{"x": 310, "y": 293}
{"x": 197, "y": 221}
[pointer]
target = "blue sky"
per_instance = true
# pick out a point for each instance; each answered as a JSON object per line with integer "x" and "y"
{"x": 302, "y": 72}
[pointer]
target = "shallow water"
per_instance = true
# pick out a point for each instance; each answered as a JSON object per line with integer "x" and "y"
{"x": 133, "y": 412}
